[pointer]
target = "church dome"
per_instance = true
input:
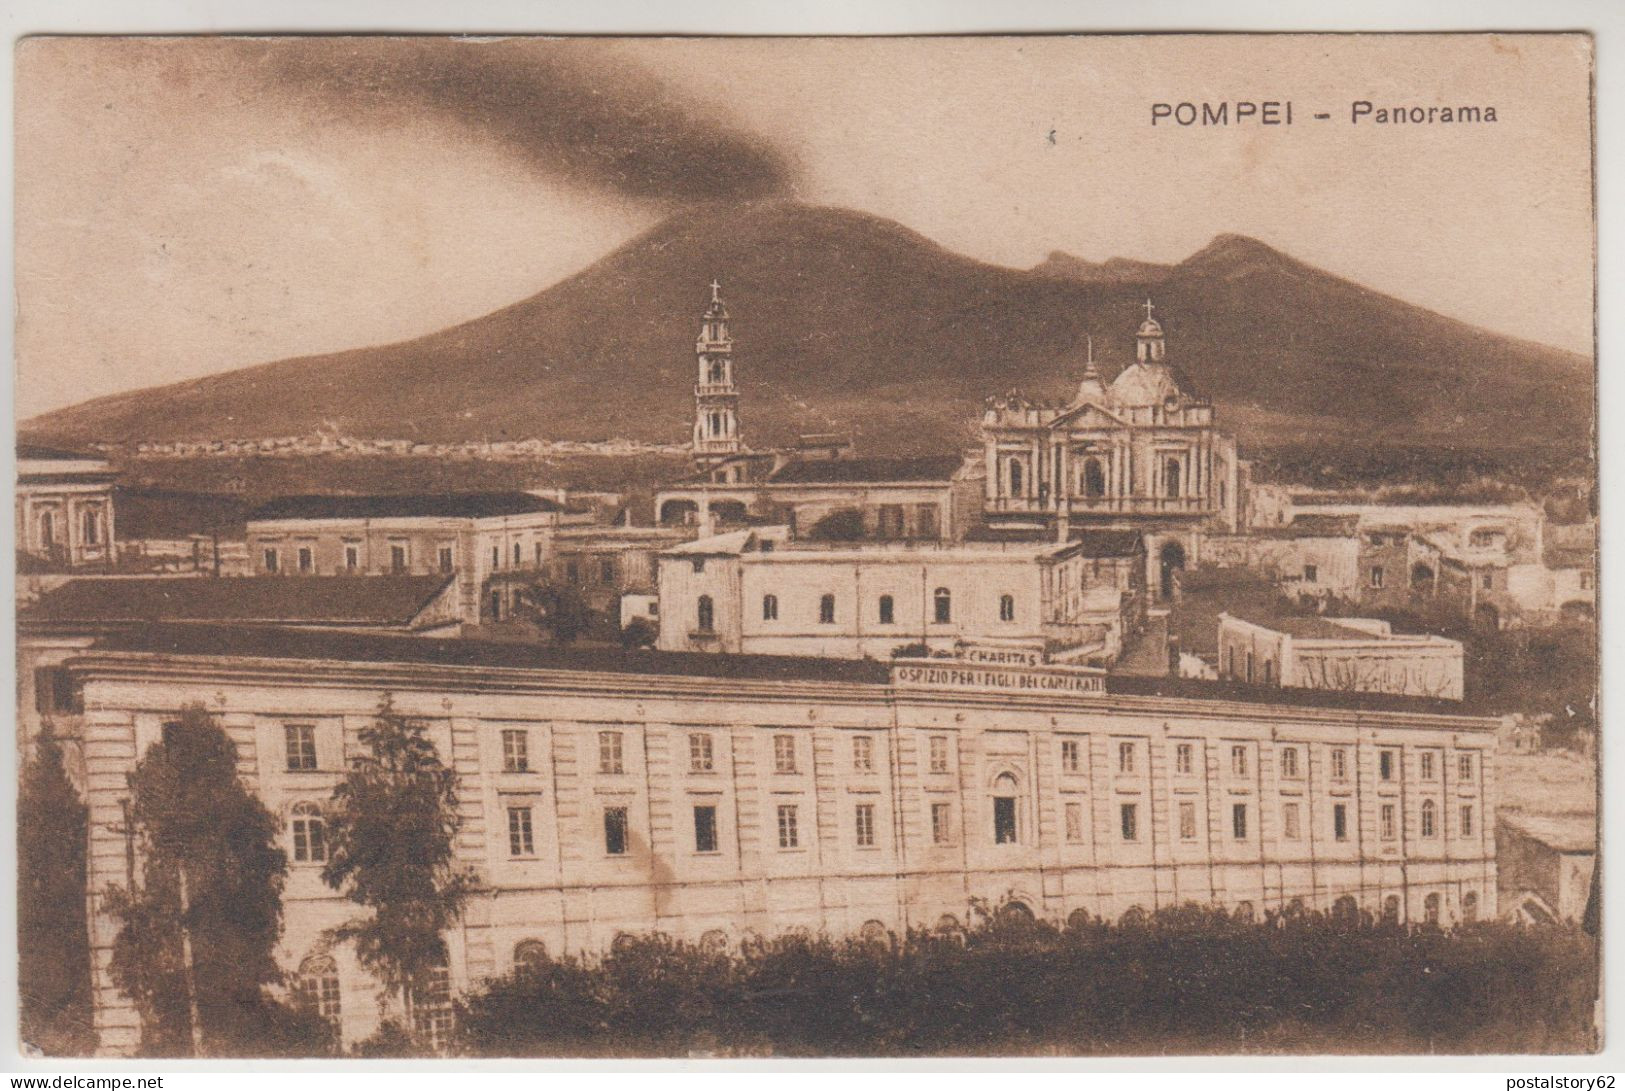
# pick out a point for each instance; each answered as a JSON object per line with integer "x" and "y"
{"x": 1145, "y": 384}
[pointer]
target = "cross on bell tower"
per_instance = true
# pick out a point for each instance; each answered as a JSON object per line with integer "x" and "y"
{"x": 716, "y": 399}
{"x": 1150, "y": 346}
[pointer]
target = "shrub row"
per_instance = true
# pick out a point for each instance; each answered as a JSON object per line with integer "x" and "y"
{"x": 1188, "y": 980}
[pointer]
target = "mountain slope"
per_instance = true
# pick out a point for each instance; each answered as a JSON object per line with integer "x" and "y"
{"x": 846, "y": 321}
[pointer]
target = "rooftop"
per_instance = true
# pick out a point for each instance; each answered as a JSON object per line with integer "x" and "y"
{"x": 1304, "y": 627}
{"x": 39, "y": 453}
{"x": 1313, "y": 526}
{"x": 331, "y": 600}
{"x": 850, "y": 470}
{"x": 1565, "y": 832}
{"x": 312, "y": 644}
{"x": 469, "y": 505}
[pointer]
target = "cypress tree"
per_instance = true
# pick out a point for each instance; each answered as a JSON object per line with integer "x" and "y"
{"x": 53, "y": 971}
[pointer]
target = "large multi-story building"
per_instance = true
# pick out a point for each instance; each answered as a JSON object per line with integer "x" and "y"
{"x": 762, "y": 591}
{"x": 717, "y": 797}
{"x": 496, "y": 542}
{"x": 1141, "y": 453}
{"x": 64, "y": 507}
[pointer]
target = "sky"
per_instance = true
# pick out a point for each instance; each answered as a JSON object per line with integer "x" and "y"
{"x": 190, "y": 206}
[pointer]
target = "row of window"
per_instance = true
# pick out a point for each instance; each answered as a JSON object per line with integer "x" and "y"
{"x": 308, "y": 827}
{"x": 400, "y": 558}
{"x": 90, "y": 528}
{"x": 300, "y": 742}
{"x": 1091, "y": 477}
{"x": 885, "y": 609}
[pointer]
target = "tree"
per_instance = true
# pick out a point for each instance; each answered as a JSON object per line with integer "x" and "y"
{"x": 563, "y": 611}
{"x": 53, "y": 970}
{"x": 196, "y": 946}
{"x": 640, "y": 632}
{"x": 392, "y": 842}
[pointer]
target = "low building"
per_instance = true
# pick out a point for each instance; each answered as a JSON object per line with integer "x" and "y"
{"x": 1361, "y": 655}
{"x": 716, "y": 798}
{"x": 763, "y": 592}
{"x": 65, "y": 507}
{"x": 1314, "y": 555}
{"x": 605, "y": 563}
{"x": 486, "y": 538}
{"x": 1545, "y": 865}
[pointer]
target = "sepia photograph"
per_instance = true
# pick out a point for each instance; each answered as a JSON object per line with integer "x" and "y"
{"x": 746, "y": 548}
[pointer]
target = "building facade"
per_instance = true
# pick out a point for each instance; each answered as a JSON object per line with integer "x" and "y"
{"x": 1142, "y": 453}
{"x": 716, "y": 798}
{"x": 763, "y": 592}
{"x": 64, "y": 506}
{"x": 1360, "y": 655}
{"x": 496, "y": 543}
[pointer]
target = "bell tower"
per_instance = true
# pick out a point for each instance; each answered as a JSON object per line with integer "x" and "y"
{"x": 716, "y": 399}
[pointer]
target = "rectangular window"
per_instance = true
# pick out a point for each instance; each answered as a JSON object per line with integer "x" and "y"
{"x": 705, "y": 829}
{"x": 1488, "y": 581}
{"x": 1129, "y": 816}
{"x": 609, "y": 752}
{"x": 1427, "y": 771}
{"x": 1428, "y": 822}
{"x": 1385, "y": 765}
{"x": 1376, "y": 576}
{"x": 941, "y": 831}
{"x": 1074, "y": 822}
{"x": 1289, "y": 762}
{"x": 272, "y": 561}
{"x": 789, "y": 836}
{"x": 446, "y": 559}
{"x": 1187, "y": 821}
{"x": 397, "y": 558}
{"x": 1311, "y": 574}
{"x": 864, "y": 824}
{"x": 1290, "y": 828}
{"x": 515, "y": 750}
{"x": 939, "y": 753}
{"x": 1340, "y": 764}
{"x": 496, "y": 556}
{"x": 1466, "y": 819}
{"x": 699, "y": 753}
{"x": 1464, "y": 768}
{"x": 1238, "y": 821}
{"x": 301, "y": 745}
{"x": 615, "y": 831}
{"x": 1125, "y": 757}
{"x": 1071, "y": 756}
{"x": 521, "y": 841}
{"x": 1389, "y": 824}
{"x": 1238, "y": 761}
{"x": 784, "y": 753}
{"x": 863, "y": 754}
{"x": 307, "y": 559}
{"x": 888, "y": 611}
{"x": 518, "y": 555}
{"x": 1184, "y": 757}
{"x": 540, "y": 554}
{"x": 1340, "y": 821}
{"x": 352, "y": 558}
{"x": 1004, "y": 820}
{"x": 606, "y": 570}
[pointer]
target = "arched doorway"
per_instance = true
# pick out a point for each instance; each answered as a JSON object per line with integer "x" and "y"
{"x": 1171, "y": 560}
{"x": 1016, "y": 911}
{"x": 1390, "y": 909}
{"x": 1469, "y": 908}
{"x": 1346, "y": 910}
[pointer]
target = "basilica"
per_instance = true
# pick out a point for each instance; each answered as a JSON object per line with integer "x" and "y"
{"x": 1139, "y": 453}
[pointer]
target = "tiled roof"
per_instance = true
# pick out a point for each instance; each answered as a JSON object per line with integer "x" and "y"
{"x": 315, "y": 644}
{"x": 870, "y": 470}
{"x": 39, "y": 453}
{"x": 1313, "y": 526}
{"x": 471, "y": 505}
{"x": 268, "y": 643}
{"x": 332, "y": 600}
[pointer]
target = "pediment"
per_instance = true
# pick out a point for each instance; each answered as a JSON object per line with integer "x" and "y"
{"x": 1087, "y": 415}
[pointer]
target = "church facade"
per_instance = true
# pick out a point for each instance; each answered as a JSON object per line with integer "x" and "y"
{"x": 1142, "y": 452}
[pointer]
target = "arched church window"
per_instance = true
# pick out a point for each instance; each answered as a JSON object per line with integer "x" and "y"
{"x": 528, "y": 954}
{"x": 716, "y": 371}
{"x": 716, "y": 424}
{"x": 707, "y": 614}
{"x": 1170, "y": 477}
{"x": 1094, "y": 478}
{"x": 943, "y": 606}
{"x": 47, "y": 530}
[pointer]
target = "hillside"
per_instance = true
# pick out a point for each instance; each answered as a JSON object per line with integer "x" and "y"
{"x": 845, "y": 321}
